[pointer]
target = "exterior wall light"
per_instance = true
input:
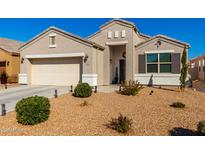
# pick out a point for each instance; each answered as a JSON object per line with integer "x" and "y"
{"x": 158, "y": 43}
{"x": 85, "y": 58}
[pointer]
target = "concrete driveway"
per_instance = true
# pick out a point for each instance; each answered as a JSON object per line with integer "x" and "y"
{"x": 9, "y": 97}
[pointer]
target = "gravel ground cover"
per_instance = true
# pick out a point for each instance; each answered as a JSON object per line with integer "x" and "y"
{"x": 151, "y": 114}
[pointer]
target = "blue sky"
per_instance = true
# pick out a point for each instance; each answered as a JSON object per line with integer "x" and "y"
{"x": 188, "y": 30}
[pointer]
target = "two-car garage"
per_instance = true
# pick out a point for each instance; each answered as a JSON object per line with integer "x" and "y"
{"x": 55, "y": 57}
{"x": 55, "y": 71}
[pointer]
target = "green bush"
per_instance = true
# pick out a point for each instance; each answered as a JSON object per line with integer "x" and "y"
{"x": 178, "y": 105}
{"x": 121, "y": 124}
{"x": 32, "y": 110}
{"x": 201, "y": 127}
{"x": 83, "y": 90}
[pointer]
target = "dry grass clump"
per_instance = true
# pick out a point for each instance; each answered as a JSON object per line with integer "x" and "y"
{"x": 121, "y": 124}
{"x": 130, "y": 88}
{"x": 85, "y": 103}
{"x": 178, "y": 105}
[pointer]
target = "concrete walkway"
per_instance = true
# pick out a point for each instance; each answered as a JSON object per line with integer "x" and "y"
{"x": 108, "y": 89}
{"x": 11, "y": 96}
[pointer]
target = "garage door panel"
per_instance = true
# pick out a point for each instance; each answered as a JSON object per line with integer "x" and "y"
{"x": 53, "y": 73}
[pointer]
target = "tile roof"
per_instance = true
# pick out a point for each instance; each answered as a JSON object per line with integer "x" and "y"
{"x": 10, "y": 45}
{"x": 119, "y": 20}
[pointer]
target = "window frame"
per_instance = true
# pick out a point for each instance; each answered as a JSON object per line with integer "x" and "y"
{"x": 158, "y": 63}
{"x": 152, "y": 63}
{"x": 52, "y": 40}
{"x": 109, "y": 34}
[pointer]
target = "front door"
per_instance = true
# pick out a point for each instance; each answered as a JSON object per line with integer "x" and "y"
{"x": 122, "y": 70}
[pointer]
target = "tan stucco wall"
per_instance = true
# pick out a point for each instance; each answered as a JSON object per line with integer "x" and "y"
{"x": 64, "y": 44}
{"x": 131, "y": 37}
{"x": 166, "y": 45}
{"x": 99, "y": 66}
{"x": 14, "y": 65}
{"x": 116, "y": 55}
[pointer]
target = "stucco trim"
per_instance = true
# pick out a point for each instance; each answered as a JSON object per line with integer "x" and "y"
{"x": 158, "y": 79}
{"x": 62, "y": 55}
{"x": 91, "y": 79}
{"x": 23, "y": 79}
{"x": 52, "y": 46}
{"x": 117, "y": 43}
{"x": 160, "y": 51}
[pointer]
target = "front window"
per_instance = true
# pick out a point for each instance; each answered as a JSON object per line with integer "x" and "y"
{"x": 152, "y": 63}
{"x": 52, "y": 40}
{"x": 159, "y": 63}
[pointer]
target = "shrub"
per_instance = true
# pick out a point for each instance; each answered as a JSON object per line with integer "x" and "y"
{"x": 121, "y": 124}
{"x": 132, "y": 88}
{"x": 201, "y": 127}
{"x": 32, "y": 110}
{"x": 83, "y": 90}
{"x": 178, "y": 105}
{"x": 4, "y": 78}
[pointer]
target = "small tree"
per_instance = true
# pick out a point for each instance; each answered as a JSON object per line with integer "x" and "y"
{"x": 184, "y": 69}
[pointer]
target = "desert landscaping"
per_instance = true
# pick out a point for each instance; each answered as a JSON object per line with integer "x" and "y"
{"x": 150, "y": 112}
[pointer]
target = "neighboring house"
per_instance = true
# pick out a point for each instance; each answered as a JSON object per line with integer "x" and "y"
{"x": 56, "y": 57}
{"x": 9, "y": 58}
{"x": 197, "y": 68}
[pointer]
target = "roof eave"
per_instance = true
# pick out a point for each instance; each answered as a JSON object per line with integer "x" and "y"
{"x": 119, "y": 20}
{"x": 64, "y": 32}
{"x": 164, "y": 37}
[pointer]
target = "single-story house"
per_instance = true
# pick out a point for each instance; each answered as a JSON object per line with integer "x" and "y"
{"x": 197, "y": 68}
{"x": 10, "y": 58}
{"x": 118, "y": 51}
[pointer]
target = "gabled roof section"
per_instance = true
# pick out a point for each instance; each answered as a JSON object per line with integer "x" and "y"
{"x": 95, "y": 45}
{"x": 119, "y": 21}
{"x": 10, "y": 45}
{"x": 144, "y": 35}
{"x": 163, "y": 37}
